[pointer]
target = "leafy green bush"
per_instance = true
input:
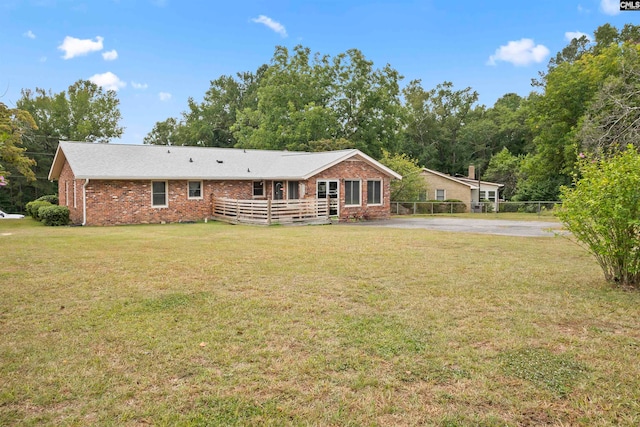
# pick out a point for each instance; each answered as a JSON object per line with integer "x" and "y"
{"x": 54, "y": 215}
{"x": 458, "y": 205}
{"x": 32, "y": 208}
{"x": 602, "y": 210}
{"x": 51, "y": 198}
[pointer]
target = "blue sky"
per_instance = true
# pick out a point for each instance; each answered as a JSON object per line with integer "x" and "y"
{"x": 157, "y": 53}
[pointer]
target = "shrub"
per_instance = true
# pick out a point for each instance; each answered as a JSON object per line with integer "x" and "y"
{"x": 602, "y": 210}
{"x": 458, "y": 205}
{"x": 54, "y": 215}
{"x": 51, "y": 198}
{"x": 33, "y": 207}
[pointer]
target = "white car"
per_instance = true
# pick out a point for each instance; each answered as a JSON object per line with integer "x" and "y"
{"x": 10, "y": 216}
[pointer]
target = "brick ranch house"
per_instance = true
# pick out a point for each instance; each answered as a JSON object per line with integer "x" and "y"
{"x": 112, "y": 184}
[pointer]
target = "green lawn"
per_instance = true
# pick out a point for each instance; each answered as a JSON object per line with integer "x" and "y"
{"x": 214, "y": 324}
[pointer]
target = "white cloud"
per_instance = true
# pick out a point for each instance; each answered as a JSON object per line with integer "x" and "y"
{"x": 73, "y": 47}
{"x": 582, "y": 9}
{"x": 108, "y": 80}
{"x": 570, "y": 35}
{"x": 164, "y": 96}
{"x": 270, "y": 23}
{"x": 139, "y": 85}
{"x": 610, "y": 7}
{"x": 520, "y": 53}
{"x": 29, "y": 34}
{"x": 110, "y": 56}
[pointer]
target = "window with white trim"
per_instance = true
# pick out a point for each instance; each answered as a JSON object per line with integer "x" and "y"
{"x": 352, "y": 193}
{"x": 374, "y": 192}
{"x": 195, "y": 189}
{"x": 440, "y": 195}
{"x": 159, "y": 194}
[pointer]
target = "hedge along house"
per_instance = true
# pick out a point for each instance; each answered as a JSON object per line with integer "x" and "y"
{"x": 111, "y": 184}
{"x": 468, "y": 190}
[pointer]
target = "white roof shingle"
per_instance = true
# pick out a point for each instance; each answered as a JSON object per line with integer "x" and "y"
{"x": 121, "y": 161}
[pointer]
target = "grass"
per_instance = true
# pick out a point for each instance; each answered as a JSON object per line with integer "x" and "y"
{"x": 214, "y": 324}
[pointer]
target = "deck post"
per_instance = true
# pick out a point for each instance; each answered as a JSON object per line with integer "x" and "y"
{"x": 269, "y": 212}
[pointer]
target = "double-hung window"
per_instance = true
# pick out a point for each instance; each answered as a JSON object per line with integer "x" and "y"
{"x": 159, "y": 194}
{"x": 195, "y": 189}
{"x": 352, "y": 193}
{"x": 440, "y": 195}
{"x": 374, "y": 192}
{"x": 258, "y": 188}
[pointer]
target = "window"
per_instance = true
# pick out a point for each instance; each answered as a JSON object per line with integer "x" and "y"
{"x": 351, "y": 192}
{"x": 440, "y": 195}
{"x": 195, "y": 189}
{"x": 293, "y": 190}
{"x": 159, "y": 194}
{"x": 483, "y": 195}
{"x": 258, "y": 188}
{"x": 492, "y": 195}
{"x": 374, "y": 192}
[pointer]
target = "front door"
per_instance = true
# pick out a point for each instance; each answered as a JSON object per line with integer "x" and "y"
{"x": 278, "y": 190}
{"x": 329, "y": 189}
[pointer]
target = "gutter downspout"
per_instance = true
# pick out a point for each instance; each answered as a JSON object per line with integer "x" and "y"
{"x": 84, "y": 201}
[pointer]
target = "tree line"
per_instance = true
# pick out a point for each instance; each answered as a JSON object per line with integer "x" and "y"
{"x": 582, "y": 103}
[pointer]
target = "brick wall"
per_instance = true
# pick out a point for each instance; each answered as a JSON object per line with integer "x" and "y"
{"x": 70, "y": 193}
{"x": 357, "y": 169}
{"x": 115, "y": 202}
{"x": 129, "y": 202}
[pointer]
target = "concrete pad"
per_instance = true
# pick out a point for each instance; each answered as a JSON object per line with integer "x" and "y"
{"x": 471, "y": 225}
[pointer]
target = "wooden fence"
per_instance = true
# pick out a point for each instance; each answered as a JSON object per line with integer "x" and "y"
{"x": 267, "y": 212}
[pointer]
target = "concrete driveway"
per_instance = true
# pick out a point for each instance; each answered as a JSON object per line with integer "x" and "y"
{"x": 471, "y": 225}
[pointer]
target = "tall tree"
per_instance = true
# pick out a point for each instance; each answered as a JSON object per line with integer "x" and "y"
{"x": 84, "y": 112}
{"x": 612, "y": 121}
{"x": 569, "y": 88}
{"x": 504, "y": 168}
{"x": 208, "y": 123}
{"x": 166, "y": 132}
{"x": 307, "y": 97}
{"x": 435, "y": 121}
{"x": 412, "y": 186}
{"x": 292, "y": 106}
{"x": 14, "y": 123}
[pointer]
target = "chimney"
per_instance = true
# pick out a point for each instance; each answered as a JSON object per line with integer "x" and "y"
{"x": 472, "y": 172}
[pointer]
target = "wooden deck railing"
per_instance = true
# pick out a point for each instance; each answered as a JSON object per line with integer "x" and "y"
{"x": 267, "y": 212}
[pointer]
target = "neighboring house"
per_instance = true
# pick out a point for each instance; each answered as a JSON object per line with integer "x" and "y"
{"x": 446, "y": 187}
{"x": 109, "y": 184}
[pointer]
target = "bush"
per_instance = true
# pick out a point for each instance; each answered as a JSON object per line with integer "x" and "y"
{"x": 458, "y": 205}
{"x": 32, "y": 208}
{"x": 54, "y": 215}
{"x": 51, "y": 198}
{"x": 602, "y": 210}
